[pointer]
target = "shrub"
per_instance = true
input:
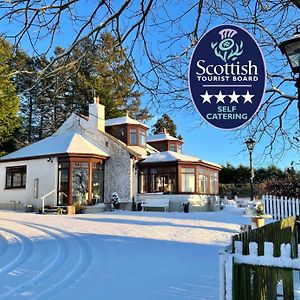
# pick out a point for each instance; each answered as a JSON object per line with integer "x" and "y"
{"x": 288, "y": 187}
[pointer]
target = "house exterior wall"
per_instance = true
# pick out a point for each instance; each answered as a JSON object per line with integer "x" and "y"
{"x": 40, "y": 169}
{"x": 117, "y": 174}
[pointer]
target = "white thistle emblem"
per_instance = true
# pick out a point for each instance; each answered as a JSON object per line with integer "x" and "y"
{"x": 227, "y": 49}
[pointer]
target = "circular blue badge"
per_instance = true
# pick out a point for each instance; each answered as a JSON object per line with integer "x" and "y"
{"x": 227, "y": 77}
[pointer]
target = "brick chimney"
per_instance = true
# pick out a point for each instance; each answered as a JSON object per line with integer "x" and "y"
{"x": 97, "y": 114}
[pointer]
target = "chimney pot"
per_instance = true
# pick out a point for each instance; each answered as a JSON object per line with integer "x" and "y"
{"x": 96, "y": 100}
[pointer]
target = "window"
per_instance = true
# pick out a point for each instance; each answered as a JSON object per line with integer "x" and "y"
{"x": 202, "y": 181}
{"x": 63, "y": 183}
{"x": 142, "y": 137}
{"x": 179, "y": 148}
{"x": 15, "y": 177}
{"x": 213, "y": 182}
{"x": 172, "y": 147}
{"x": 162, "y": 180}
{"x": 80, "y": 179}
{"x": 143, "y": 176}
{"x": 97, "y": 183}
{"x": 188, "y": 180}
{"x": 133, "y": 136}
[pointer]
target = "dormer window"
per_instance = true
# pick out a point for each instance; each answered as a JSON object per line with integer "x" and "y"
{"x": 133, "y": 136}
{"x": 129, "y": 131}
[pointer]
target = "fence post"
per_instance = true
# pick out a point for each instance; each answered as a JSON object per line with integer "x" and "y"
{"x": 286, "y": 207}
{"x": 289, "y": 207}
{"x": 278, "y": 213}
{"x": 228, "y": 277}
{"x": 265, "y": 204}
{"x": 282, "y": 207}
{"x": 222, "y": 273}
{"x": 293, "y": 206}
{"x": 271, "y": 205}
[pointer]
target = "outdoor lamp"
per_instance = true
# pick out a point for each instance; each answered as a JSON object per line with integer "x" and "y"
{"x": 250, "y": 143}
{"x": 291, "y": 49}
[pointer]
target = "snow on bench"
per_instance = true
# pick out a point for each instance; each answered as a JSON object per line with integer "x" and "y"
{"x": 163, "y": 203}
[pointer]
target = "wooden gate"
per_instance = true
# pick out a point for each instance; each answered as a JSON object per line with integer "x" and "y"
{"x": 260, "y": 263}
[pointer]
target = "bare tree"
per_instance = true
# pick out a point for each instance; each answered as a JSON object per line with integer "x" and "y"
{"x": 159, "y": 37}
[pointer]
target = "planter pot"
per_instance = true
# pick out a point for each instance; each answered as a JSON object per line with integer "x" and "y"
{"x": 257, "y": 222}
{"x": 71, "y": 210}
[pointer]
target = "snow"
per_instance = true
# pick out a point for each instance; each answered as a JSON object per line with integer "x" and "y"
{"x": 166, "y": 156}
{"x": 161, "y": 137}
{"x": 68, "y": 142}
{"x": 114, "y": 255}
{"x": 123, "y": 120}
{"x": 169, "y": 156}
{"x": 144, "y": 152}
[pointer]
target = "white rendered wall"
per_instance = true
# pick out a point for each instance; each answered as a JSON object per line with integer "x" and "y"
{"x": 40, "y": 169}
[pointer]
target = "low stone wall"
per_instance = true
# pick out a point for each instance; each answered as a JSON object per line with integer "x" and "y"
{"x": 197, "y": 202}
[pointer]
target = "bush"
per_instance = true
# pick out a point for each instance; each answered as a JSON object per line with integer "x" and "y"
{"x": 231, "y": 190}
{"x": 288, "y": 187}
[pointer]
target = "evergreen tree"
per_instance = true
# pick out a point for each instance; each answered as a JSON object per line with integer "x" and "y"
{"x": 166, "y": 123}
{"x": 104, "y": 71}
{"x": 9, "y": 101}
{"x": 48, "y": 101}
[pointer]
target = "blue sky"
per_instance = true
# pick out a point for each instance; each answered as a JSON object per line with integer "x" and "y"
{"x": 220, "y": 146}
{"x": 203, "y": 141}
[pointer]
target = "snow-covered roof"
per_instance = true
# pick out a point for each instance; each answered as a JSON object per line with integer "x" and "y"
{"x": 123, "y": 120}
{"x": 160, "y": 137}
{"x": 69, "y": 142}
{"x": 144, "y": 152}
{"x": 166, "y": 156}
{"x": 212, "y": 164}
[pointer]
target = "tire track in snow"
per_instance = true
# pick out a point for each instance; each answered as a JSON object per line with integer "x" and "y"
{"x": 57, "y": 261}
{"x": 3, "y": 244}
{"x": 76, "y": 262}
{"x": 26, "y": 247}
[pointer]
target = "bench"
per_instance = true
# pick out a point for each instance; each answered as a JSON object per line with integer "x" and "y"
{"x": 156, "y": 203}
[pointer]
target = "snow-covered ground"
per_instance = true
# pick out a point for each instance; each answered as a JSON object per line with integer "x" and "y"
{"x": 114, "y": 255}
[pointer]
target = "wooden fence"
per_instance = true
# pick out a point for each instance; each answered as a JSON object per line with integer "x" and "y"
{"x": 281, "y": 207}
{"x": 258, "y": 260}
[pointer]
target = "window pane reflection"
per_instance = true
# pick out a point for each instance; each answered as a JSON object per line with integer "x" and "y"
{"x": 80, "y": 179}
{"x": 97, "y": 183}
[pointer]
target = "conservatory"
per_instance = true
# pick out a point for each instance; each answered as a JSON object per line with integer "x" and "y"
{"x": 179, "y": 178}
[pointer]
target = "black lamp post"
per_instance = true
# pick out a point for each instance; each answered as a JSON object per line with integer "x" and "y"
{"x": 291, "y": 49}
{"x": 250, "y": 145}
